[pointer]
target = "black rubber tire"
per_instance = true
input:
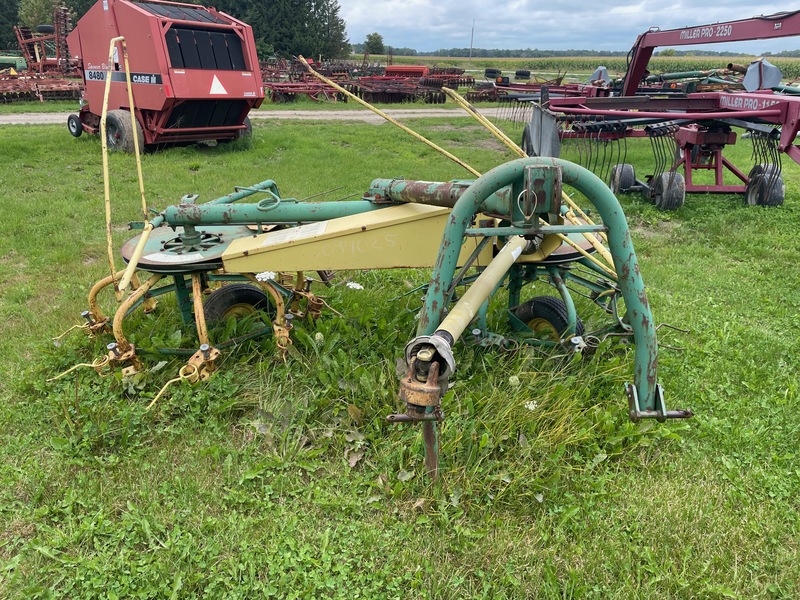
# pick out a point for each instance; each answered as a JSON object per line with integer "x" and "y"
{"x": 547, "y": 314}
{"x": 492, "y": 73}
{"x": 74, "y": 125}
{"x": 119, "y": 135}
{"x": 765, "y": 186}
{"x": 235, "y": 300}
{"x": 522, "y": 74}
{"x": 247, "y": 132}
{"x": 670, "y": 191}
{"x": 527, "y": 141}
{"x": 623, "y": 178}
{"x": 693, "y": 153}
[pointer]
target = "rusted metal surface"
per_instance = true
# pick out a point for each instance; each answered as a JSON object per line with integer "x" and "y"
{"x": 421, "y": 393}
{"x": 283, "y": 91}
{"x": 47, "y": 52}
{"x": 393, "y": 90}
{"x": 38, "y": 87}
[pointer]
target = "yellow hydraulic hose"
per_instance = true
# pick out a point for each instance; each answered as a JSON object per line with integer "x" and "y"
{"x": 493, "y": 129}
{"x": 128, "y": 273}
{"x": 514, "y": 147}
{"x": 382, "y": 114}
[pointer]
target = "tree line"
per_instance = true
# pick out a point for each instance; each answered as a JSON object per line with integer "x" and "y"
{"x": 281, "y": 27}
{"x": 312, "y": 28}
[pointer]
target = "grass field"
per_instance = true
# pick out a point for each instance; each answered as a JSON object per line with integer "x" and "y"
{"x": 282, "y": 479}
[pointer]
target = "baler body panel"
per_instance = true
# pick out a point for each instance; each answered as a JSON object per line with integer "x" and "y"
{"x": 194, "y": 70}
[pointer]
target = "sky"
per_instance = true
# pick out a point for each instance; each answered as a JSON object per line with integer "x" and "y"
{"x": 427, "y": 25}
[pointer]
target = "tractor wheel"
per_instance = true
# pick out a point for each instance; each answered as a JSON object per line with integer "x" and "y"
{"x": 235, "y": 300}
{"x": 119, "y": 135}
{"x": 670, "y": 191}
{"x": 547, "y": 316}
{"x": 623, "y": 178}
{"x": 74, "y": 125}
{"x": 765, "y": 186}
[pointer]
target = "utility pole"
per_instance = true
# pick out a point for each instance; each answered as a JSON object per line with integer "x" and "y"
{"x": 471, "y": 37}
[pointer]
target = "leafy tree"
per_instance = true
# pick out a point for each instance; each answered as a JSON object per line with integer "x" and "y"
{"x": 36, "y": 12}
{"x": 374, "y": 43}
{"x": 8, "y": 18}
{"x": 78, "y": 8}
{"x": 291, "y": 27}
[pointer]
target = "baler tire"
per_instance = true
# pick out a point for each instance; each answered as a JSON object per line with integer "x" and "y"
{"x": 241, "y": 134}
{"x": 235, "y": 300}
{"x": 247, "y": 132}
{"x": 74, "y": 125}
{"x": 119, "y": 135}
{"x": 547, "y": 315}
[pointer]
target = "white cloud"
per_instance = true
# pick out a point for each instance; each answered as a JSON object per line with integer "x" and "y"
{"x": 426, "y": 25}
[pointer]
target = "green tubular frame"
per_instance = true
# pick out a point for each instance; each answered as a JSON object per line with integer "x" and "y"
{"x": 646, "y": 389}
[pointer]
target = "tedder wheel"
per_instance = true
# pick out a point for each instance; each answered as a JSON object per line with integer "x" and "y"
{"x": 623, "y": 178}
{"x": 764, "y": 186}
{"x": 547, "y": 316}
{"x": 119, "y": 135}
{"x": 235, "y": 300}
{"x": 527, "y": 141}
{"x": 74, "y": 125}
{"x": 670, "y": 190}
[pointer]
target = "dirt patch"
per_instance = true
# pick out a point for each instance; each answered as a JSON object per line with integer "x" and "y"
{"x": 655, "y": 230}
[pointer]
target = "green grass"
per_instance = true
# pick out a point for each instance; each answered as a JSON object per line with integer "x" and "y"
{"x": 64, "y": 106}
{"x": 241, "y": 486}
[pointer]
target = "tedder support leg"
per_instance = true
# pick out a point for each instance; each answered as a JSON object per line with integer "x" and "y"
{"x": 645, "y": 396}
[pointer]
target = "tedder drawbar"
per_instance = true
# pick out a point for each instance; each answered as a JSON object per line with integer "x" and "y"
{"x": 248, "y": 252}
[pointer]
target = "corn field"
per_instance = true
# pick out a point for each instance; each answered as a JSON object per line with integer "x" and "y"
{"x": 616, "y": 65}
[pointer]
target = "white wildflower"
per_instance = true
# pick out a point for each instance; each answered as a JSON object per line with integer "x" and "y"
{"x": 354, "y": 286}
{"x": 531, "y": 404}
{"x": 319, "y": 338}
{"x": 267, "y": 276}
{"x": 514, "y": 380}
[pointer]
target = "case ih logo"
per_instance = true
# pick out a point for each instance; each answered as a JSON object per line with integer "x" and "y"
{"x": 151, "y": 78}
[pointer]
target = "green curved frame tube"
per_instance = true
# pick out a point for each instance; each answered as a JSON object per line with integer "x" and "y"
{"x": 620, "y": 245}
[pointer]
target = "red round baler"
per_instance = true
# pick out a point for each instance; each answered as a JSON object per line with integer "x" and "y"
{"x": 194, "y": 73}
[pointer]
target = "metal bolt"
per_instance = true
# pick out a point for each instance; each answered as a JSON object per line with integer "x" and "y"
{"x": 289, "y": 318}
{"x": 205, "y": 350}
{"x": 476, "y": 332}
{"x": 112, "y": 347}
{"x": 87, "y": 314}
